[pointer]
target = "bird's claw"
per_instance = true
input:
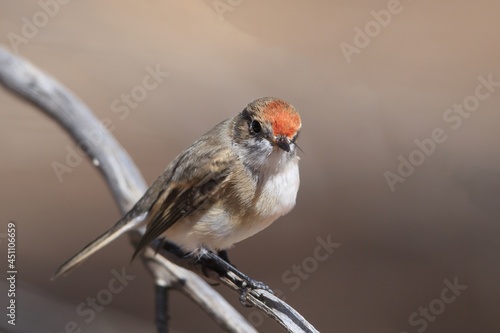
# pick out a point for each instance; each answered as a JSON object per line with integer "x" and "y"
{"x": 250, "y": 285}
{"x": 254, "y": 284}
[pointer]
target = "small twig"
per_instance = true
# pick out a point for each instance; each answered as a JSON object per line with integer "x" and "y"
{"x": 271, "y": 305}
{"x": 161, "y": 308}
{"x": 127, "y": 186}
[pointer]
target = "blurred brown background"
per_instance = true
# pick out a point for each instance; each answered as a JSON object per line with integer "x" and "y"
{"x": 397, "y": 247}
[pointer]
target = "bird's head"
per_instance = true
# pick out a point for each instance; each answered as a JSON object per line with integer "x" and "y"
{"x": 266, "y": 129}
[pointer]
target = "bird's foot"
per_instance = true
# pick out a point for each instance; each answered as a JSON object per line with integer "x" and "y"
{"x": 250, "y": 284}
{"x": 254, "y": 284}
{"x": 219, "y": 263}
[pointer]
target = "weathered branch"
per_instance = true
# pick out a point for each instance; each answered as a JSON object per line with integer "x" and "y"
{"x": 127, "y": 186}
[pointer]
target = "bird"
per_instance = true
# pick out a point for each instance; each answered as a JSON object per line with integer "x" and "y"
{"x": 231, "y": 183}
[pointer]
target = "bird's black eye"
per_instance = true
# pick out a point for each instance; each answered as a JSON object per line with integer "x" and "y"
{"x": 255, "y": 126}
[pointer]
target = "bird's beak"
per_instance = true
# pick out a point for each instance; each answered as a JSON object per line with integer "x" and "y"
{"x": 283, "y": 142}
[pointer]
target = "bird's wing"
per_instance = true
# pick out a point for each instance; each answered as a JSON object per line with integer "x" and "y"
{"x": 193, "y": 177}
{"x": 179, "y": 202}
{"x": 195, "y": 183}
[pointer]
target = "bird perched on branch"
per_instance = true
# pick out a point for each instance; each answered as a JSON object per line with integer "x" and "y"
{"x": 228, "y": 185}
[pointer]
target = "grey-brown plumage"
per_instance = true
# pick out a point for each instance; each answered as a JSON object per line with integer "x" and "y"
{"x": 231, "y": 183}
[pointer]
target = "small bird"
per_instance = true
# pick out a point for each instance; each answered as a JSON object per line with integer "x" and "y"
{"x": 228, "y": 185}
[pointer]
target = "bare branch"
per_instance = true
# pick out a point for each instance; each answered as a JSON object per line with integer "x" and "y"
{"x": 127, "y": 186}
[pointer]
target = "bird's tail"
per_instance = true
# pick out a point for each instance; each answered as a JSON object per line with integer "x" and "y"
{"x": 121, "y": 227}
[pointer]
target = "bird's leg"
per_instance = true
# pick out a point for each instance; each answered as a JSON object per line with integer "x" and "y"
{"x": 170, "y": 247}
{"x": 254, "y": 284}
{"x": 221, "y": 265}
{"x": 223, "y": 255}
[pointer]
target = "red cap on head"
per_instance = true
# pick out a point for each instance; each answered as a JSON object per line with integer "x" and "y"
{"x": 283, "y": 117}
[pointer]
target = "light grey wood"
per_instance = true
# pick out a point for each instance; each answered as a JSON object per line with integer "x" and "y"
{"x": 127, "y": 185}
